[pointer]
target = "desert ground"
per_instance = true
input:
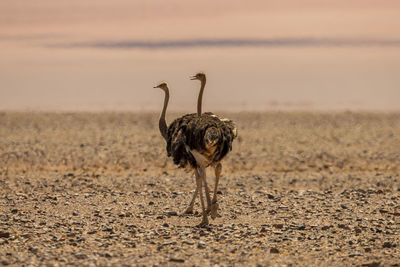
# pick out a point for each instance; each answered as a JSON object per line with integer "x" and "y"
{"x": 298, "y": 188}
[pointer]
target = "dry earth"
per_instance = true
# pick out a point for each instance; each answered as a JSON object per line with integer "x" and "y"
{"x": 297, "y": 189}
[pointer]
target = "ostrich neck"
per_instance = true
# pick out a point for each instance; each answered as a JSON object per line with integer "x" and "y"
{"x": 162, "y": 123}
{"x": 200, "y": 99}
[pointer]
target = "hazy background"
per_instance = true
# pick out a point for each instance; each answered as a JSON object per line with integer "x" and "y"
{"x": 259, "y": 55}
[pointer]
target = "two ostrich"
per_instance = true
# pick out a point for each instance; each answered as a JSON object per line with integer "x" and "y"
{"x": 198, "y": 140}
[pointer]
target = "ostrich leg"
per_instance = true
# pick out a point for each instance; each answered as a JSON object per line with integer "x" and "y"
{"x": 189, "y": 209}
{"x": 200, "y": 177}
{"x": 202, "y": 164}
{"x": 214, "y": 204}
{"x": 207, "y": 190}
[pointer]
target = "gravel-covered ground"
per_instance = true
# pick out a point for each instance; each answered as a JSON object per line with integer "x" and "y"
{"x": 306, "y": 189}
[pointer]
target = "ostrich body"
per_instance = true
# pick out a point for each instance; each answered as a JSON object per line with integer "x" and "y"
{"x": 197, "y": 141}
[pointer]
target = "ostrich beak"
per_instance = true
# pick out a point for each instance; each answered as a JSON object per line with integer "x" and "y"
{"x": 193, "y": 77}
{"x": 155, "y": 87}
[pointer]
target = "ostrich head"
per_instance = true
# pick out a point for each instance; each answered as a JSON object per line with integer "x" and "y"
{"x": 199, "y": 76}
{"x": 162, "y": 85}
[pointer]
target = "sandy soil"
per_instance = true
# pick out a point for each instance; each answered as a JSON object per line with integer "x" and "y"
{"x": 298, "y": 188}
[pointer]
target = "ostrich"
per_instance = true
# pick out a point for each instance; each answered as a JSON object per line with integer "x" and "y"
{"x": 228, "y": 131}
{"x": 175, "y": 136}
{"x": 197, "y": 141}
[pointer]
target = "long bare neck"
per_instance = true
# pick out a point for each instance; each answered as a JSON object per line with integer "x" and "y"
{"x": 200, "y": 99}
{"x": 162, "y": 124}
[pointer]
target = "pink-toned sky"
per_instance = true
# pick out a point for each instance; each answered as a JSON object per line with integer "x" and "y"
{"x": 258, "y": 55}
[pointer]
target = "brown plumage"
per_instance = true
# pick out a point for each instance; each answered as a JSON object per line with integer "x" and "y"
{"x": 207, "y": 134}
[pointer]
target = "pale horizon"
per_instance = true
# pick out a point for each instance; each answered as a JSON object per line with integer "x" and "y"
{"x": 258, "y": 56}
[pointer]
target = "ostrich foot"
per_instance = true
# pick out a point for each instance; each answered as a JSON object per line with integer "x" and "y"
{"x": 204, "y": 222}
{"x": 188, "y": 211}
{"x": 214, "y": 210}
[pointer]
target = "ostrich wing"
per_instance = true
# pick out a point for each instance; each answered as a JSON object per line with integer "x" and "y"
{"x": 191, "y": 136}
{"x": 210, "y": 136}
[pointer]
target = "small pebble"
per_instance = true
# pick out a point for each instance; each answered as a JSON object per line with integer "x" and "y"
{"x": 176, "y": 260}
{"x": 201, "y": 245}
{"x": 274, "y": 250}
{"x": 4, "y": 234}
